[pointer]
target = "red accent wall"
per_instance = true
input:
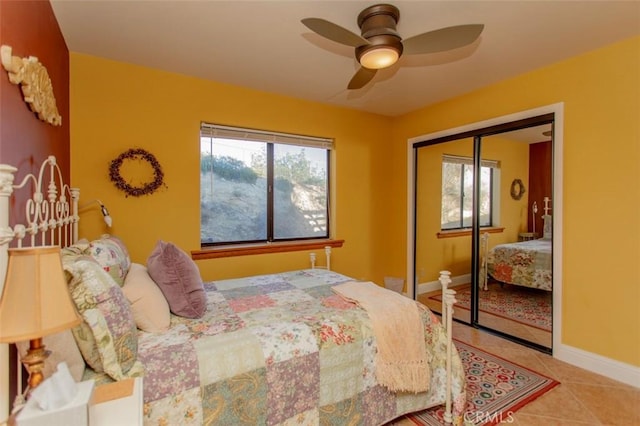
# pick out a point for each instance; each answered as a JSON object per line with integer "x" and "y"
{"x": 31, "y": 29}
{"x": 540, "y": 185}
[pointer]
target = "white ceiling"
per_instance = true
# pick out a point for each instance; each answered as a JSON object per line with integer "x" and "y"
{"x": 264, "y": 46}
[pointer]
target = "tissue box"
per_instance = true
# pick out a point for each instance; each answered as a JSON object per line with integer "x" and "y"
{"x": 117, "y": 404}
{"x": 75, "y": 413}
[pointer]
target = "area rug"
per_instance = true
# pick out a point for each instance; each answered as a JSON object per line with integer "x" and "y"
{"x": 496, "y": 388}
{"x": 524, "y": 305}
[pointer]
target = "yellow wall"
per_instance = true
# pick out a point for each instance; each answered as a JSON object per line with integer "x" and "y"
{"x": 117, "y": 106}
{"x": 514, "y": 164}
{"x": 601, "y": 238}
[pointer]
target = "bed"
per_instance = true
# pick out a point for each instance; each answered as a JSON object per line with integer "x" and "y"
{"x": 270, "y": 349}
{"x": 525, "y": 263}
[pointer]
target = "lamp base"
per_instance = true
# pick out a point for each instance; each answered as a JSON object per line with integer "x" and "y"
{"x": 34, "y": 363}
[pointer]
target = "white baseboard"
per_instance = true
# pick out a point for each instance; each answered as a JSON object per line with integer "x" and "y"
{"x": 435, "y": 285}
{"x": 616, "y": 370}
{"x": 613, "y": 369}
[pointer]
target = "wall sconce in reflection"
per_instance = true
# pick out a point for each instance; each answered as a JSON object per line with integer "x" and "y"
{"x": 103, "y": 209}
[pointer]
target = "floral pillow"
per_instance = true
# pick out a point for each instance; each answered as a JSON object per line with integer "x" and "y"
{"x": 111, "y": 253}
{"x": 107, "y": 337}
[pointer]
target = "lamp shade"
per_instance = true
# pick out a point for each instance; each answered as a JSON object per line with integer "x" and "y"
{"x": 35, "y": 299}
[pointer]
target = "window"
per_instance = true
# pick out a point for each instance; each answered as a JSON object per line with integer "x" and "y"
{"x": 457, "y": 192}
{"x": 258, "y": 186}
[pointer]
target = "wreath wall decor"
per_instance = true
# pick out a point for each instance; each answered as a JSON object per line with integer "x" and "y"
{"x": 140, "y": 155}
{"x": 517, "y": 189}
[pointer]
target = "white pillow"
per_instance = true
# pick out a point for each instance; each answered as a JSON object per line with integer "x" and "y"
{"x": 150, "y": 308}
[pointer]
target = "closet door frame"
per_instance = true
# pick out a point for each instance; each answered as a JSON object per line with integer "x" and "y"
{"x": 493, "y": 126}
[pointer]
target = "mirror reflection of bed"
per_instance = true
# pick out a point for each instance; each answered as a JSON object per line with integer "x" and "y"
{"x": 516, "y": 284}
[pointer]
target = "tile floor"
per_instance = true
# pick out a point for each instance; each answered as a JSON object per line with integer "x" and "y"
{"x": 582, "y": 398}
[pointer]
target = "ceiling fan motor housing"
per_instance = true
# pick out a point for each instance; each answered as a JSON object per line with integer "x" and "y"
{"x": 378, "y": 25}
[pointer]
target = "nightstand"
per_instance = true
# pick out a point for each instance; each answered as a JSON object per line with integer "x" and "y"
{"x": 118, "y": 403}
{"x": 527, "y": 236}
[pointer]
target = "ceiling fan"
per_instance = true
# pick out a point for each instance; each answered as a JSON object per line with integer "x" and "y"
{"x": 380, "y": 46}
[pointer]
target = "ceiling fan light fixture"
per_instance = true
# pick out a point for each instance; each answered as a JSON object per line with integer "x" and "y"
{"x": 379, "y": 57}
{"x": 379, "y": 44}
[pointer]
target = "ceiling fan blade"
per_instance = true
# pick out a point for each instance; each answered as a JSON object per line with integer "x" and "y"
{"x": 442, "y": 39}
{"x": 334, "y": 32}
{"x": 361, "y": 78}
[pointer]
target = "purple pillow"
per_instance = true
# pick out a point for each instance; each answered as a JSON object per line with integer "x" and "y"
{"x": 179, "y": 280}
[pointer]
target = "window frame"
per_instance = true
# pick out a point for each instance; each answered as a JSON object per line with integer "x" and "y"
{"x": 494, "y": 183}
{"x": 270, "y": 139}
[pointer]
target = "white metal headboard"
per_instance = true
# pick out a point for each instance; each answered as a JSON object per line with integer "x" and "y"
{"x": 51, "y": 218}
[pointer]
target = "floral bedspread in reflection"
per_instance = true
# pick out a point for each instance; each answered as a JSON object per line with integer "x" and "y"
{"x": 281, "y": 349}
{"x": 526, "y": 263}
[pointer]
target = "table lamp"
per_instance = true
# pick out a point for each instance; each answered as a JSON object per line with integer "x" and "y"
{"x": 35, "y": 302}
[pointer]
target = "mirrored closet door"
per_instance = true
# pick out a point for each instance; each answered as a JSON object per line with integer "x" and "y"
{"x": 484, "y": 211}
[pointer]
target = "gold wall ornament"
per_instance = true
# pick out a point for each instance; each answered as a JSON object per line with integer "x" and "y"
{"x": 35, "y": 83}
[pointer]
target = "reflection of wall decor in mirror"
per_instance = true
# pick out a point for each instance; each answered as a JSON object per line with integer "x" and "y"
{"x": 35, "y": 83}
{"x": 517, "y": 189}
{"x": 144, "y": 189}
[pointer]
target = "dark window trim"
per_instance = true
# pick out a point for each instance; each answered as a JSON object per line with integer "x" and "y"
{"x": 462, "y": 196}
{"x": 270, "y": 236}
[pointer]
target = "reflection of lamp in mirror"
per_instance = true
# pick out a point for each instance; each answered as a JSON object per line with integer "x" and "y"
{"x": 35, "y": 302}
{"x": 534, "y": 209}
{"x": 103, "y": 209}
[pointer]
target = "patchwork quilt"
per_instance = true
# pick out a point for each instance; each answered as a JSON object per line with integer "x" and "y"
{"x": 281, "y": 349}
{"x": 527, "y": 263}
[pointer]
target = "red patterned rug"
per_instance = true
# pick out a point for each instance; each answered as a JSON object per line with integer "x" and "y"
{"x": 525, "y": 305}
{"x": 496, "y": 388}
